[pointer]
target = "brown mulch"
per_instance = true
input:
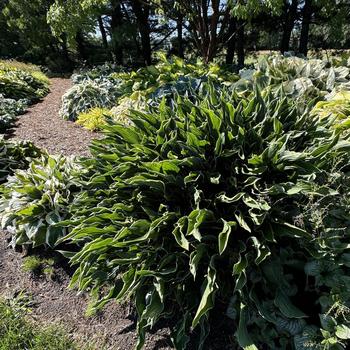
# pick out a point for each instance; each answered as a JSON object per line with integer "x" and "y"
{"x": 43, "y": 126}
{"x": 53, "y": 303}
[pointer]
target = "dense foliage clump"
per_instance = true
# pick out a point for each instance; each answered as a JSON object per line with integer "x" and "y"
{"x": 210, "y": 202}
{"x": 94, "y": 119}
{"x": 305, "y": 81}
{"x": 9, "y": 109}
{"x": 87, "y": 95}
{"x": 36, "y": 199}
{"x": 20, "y": 85}
{"x": 227, "y": 206}
{"x": 121, "y": 90}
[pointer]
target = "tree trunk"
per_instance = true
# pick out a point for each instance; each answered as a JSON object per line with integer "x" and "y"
{"x": 79, "y": 39}
{"x": 305, "y": 27}
{"x": 103, "y": 32}
{"x": 240, "y": 44}
{"x": 141, "y": 11}
{"x": 65, "y": 51}
{"x": 290, "y": 17}
{"x": 231, "y": 41}
{"x": 180, "y": 36}
{"x": 116, "y": 23}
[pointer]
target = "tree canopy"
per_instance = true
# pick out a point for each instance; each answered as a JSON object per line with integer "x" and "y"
{"x": 131, "y": 31}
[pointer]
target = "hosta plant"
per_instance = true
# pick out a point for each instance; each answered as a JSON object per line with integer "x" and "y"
{"x": 136, "y": 101}
{"x": 11, "y": 106}
{"x": 6, "y": 122}
{"x": 37, "y": 198}
{"x": 17, "y": 84}
{"x": 148, "y": 79}
{"x": 87, "y": 95}
{"x": 337, "y": 107}
{"x": 97, "y": 72}
{"x": 301, "y": 80}
{"x": 15, "y": 155}
{"x": 94, "y": 119}
{"x": 9, "y": 109}
{"x": 226, "y": 211}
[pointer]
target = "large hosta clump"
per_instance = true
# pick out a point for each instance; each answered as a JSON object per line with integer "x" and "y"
{"x": 227, "y": 208}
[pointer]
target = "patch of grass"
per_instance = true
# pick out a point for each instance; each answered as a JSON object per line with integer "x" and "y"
{"x": 17, "y": 333}
{"x": 37, "y": 266}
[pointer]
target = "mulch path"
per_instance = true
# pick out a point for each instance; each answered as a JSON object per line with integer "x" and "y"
{"x": 43, "y": 126}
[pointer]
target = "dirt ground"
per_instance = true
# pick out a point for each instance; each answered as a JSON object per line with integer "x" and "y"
{"x": 54, "y": 303}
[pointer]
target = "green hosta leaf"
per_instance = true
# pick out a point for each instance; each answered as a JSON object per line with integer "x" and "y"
{"x": 195, "y": 220}
{"x": 53, "y": 234}
{"x": 243, "y": 337}
{"x": 196, "y": 257}
{"x": 224, "y": 235}
{"x": 233, "y": 199}
{"x": 242, "y": 262}
{"x": 179, "y": 235}
{"x": 287, "y": 229}
{"x": 292, "y": 326}
{"x": 283, "y": 302}
{"x": 328, "y": 322}
{"x": 32, "y": 210}
{"x": 180, "y": 337}
{"x": 242, "y": 222}
{"x": 165, "y": 166}
{"x": 342, "y": 332}
{"x": 262, "y": 251}
{"x": 208, "y": 296}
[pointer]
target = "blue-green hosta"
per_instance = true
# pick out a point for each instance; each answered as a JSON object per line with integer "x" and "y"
{"x": 9, "y": 109}
{"x": 231, "y": 207}
{"x": 15, "y": 155}
{"x": 37, "y": 198}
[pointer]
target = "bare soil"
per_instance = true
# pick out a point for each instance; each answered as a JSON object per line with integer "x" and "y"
{"x": 55, "y": 304}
